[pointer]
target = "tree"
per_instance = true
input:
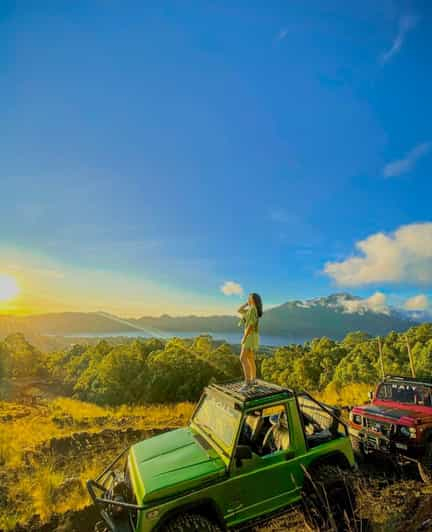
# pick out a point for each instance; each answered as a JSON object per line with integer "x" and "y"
{"x": 354, "y": 338}
{"x": 203, "y": 344}
{"x": 22, "y": 359}
{"x": 118, "y": 378}
{"x": 177, "y": 374}
{"x": 359, "y": 366}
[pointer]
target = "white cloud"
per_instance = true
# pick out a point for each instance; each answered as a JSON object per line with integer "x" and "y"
{"x": 282, "y": 34}
{"x": 419, "y": 302}
{"x": 408, "y": 162}
{"x": 375, "y": 303}
{"x": 406, "y": 24}
{"x": 230, "y": 288}
{"x": 402, "y": 256}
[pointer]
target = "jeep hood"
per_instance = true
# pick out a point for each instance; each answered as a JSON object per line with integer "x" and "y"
{"x": 171, "y": 463}
{"x": 391, "y": 414}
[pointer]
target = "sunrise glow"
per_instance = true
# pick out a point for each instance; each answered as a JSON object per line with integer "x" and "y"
{"x": 9, "y": 288}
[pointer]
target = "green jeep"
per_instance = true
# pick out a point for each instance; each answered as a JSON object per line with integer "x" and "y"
{"x": 243, "y": 458}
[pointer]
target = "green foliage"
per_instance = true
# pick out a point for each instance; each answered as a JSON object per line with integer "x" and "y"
{"x": 118, "y": 377}
{"x": 310, "y": 366}
{"x": 177, "y": 374}
{"x": 155, "y": 370}
{"x": 360, "y": 365}
{"x": 143, "y": 370}
{"x": 354, "y": 338}
{"x": 19, "y": 358}
{"x": 354, "y": 360}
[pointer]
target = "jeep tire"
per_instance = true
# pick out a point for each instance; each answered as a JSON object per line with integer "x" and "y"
{"x": 190, "y": 522}
{"x": 328, "y": 499}
{"x": 425, "y": 464}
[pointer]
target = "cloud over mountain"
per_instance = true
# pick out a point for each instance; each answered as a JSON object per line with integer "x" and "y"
{"x": 404, "y": 256}
{"x": 419, "y": 302}
{"x": 377, "y": 302}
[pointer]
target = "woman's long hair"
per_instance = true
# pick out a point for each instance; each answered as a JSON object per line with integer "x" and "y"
{"x": 258, "y": 303}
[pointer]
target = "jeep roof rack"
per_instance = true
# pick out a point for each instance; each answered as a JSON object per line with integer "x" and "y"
{"x": 260, "y": 390}
{"x": 417, "y": 380}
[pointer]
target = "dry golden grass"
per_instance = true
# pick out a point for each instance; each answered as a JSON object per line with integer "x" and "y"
{"x": 63, "y": 417}
{"x": 44, "y": 485}
{"x": 44, "y": 493}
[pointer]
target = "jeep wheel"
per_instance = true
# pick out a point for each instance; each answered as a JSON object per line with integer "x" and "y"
{"x": 328, "y": 499}
{"x": 191, "y": 523}
{"x": 425, "y": 464}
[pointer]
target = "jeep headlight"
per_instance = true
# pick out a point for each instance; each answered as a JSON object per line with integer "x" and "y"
{"x": 409, "y": 432}
{"x": 405, "y": 431}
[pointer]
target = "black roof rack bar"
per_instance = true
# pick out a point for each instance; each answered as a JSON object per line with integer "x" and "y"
{"x": 260, "y": 390}
{"x": 422, "y": 380}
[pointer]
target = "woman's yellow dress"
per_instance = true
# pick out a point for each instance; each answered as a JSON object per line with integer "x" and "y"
{"x": 250, "y": 317}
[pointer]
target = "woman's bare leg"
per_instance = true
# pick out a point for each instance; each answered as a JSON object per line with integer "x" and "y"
{"x": 252, "y": 365}
{"x": 244, "y": 359}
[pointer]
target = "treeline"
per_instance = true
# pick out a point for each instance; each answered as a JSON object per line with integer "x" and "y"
{"x": 354, "y": 360}
{"x": 138, "y": 371}
{"x": 153, "y": 370}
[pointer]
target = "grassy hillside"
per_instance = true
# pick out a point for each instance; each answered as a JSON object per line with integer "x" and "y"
{"x": 49, "y": 447}
{"x": 51, "y": 442}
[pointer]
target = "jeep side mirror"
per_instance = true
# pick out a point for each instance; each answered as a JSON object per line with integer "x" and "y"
{"x": 242, "y": 452}
{"x": 370, "y": 395}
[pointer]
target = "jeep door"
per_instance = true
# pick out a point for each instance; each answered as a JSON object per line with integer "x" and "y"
{"x": 266, "y": 481}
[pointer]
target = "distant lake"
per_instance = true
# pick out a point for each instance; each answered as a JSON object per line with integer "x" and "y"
{"x": 231, "y": 338}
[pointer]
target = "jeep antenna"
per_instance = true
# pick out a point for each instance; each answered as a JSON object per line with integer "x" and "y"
{"x": 410, "y": 357}
{"x": 381, "y": 357}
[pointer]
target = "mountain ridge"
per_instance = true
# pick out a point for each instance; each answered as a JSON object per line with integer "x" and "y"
{"x": 334, "y": 316}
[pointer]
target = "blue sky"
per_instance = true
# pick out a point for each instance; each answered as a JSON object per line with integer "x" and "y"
{"x": 152, "y": 153}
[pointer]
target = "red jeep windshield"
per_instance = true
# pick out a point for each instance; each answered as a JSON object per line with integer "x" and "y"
{"x": 407, "y": 393}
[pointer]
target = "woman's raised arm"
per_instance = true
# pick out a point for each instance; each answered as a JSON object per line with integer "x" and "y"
{"x": 241, "y": 309}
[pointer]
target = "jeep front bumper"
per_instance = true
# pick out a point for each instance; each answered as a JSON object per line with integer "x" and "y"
{"x": 110, "y": 492}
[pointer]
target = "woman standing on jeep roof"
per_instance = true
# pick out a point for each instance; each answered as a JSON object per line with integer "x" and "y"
{"x": 251, "y": 312}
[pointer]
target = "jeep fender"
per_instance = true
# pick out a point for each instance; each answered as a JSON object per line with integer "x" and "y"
{"x": 335, "y": 458}
{"x": 206, "y": 507}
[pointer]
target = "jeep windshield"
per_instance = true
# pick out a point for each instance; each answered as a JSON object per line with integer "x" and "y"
{"x": 217, "y": 419}
{"x": 406, "y": 392}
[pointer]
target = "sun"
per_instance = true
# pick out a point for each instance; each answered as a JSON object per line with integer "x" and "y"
{"x": 9, "y": 288}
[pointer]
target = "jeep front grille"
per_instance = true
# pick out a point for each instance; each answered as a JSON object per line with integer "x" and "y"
{"x": 379, "y": 427}
{"x": 372, "y": 441}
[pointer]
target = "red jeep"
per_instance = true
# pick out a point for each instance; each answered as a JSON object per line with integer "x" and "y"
{"x": 397, "y": 422}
